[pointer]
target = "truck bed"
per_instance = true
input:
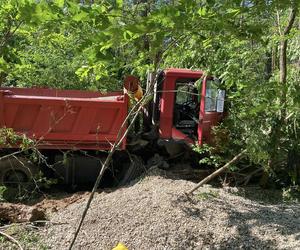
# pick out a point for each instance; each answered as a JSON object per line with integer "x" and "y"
{"x": 64, "y": 119}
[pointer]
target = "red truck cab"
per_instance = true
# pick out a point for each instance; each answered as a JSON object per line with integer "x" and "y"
{"x": 189, "y": 104}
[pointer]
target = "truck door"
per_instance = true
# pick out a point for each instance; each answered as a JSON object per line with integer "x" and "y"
{"x": 189, "y": 105}
{"x": 186, "y": 108}
{"x": 211, "y": 109}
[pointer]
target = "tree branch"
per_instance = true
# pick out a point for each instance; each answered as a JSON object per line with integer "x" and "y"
{"x": 291, "y": 21}
{"x": 12, "y": 239}
{"x": 8, "y": 35}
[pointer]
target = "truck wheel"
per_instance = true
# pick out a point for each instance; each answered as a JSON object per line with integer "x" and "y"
{"x": 16, "y": 172}
{"x": 134, "y": 169}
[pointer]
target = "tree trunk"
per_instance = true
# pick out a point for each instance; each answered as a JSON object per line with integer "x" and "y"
{"x": 276, "y": 131}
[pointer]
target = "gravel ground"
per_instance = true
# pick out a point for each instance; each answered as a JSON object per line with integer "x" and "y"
{"x": 152, "y": 214}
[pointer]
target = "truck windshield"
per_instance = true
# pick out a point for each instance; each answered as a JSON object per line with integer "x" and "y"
{"x": 185, "y": 94}
{"x": 214, "y": 97}
{"x": 211, "y": 96}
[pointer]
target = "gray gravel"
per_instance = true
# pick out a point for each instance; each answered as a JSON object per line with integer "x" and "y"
{"x": 152, "y": 214}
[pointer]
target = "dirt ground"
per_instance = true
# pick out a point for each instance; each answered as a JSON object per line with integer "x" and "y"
{"x": 153, "y": 214}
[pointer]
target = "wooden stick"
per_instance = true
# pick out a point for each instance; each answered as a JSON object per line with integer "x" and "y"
{"x": 12, "y": 239}
{"x": 216, "y": 173}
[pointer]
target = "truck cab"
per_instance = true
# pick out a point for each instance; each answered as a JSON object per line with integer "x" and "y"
{"x": 187, "y": 104}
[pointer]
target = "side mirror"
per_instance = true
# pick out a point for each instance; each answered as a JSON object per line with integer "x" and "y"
{"x": 220, "y": 100}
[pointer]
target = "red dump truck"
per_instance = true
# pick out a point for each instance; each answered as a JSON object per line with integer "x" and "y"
{"x": 74, "y": 129}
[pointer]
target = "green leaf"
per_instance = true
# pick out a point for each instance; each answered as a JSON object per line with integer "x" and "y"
{"x": 3, "y": 65}
{"x": 202, "y": 11}
{"x": 83, "y": 71}
{"x": 127, "y": 35}
{"x": 43, "y": 13}
{"x": 119, "y": 3}
{"x": 60, "y": 3}
{"x": 80, "y": 16}
{"x": 233, "y": 12}
{"x": 207, "y": 43}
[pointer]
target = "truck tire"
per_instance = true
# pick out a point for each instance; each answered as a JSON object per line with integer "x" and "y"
{"x": 17, "y": 171}
{"x": 135, "y": 169}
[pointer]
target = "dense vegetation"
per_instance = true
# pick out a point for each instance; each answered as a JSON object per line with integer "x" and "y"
{"x": 253, "y": 46}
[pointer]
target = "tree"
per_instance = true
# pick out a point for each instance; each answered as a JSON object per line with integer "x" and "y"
{"x": 92, "y": 45}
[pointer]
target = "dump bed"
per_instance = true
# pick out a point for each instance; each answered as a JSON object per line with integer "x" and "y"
{"x": 64, "y": 119}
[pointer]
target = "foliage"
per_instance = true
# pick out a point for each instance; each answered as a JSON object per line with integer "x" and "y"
{"x": 28, "y": 149}
{"x": 94, "y": 44}
{"x": 9, "y": 138}
{"x": 291, "y": 194}
{"x": 208, "y": 157}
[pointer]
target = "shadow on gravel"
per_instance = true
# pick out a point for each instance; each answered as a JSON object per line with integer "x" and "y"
{"x": 188, "y": 206}
{"x": 251, "y": 221}
{"x": 260, "y": 195}
{"x": 285, "y": 221}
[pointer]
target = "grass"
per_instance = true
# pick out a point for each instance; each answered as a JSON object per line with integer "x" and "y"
{"x": 27, "y": 237}
{"x": 208, "y": 195}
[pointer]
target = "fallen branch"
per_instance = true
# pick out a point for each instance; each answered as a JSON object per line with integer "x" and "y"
{"x": 21, "y": 224}
{"x": 12, "y": 239}
{"x": 216, "y": 173}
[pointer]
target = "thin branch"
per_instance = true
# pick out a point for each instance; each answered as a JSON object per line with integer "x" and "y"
{"x": 9, "y": 35}
{"x": 278, "y": 22}
{"x": 13, "y": 154}
{"x": 291, "y": 21}
{"x": 12, "y": 239}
